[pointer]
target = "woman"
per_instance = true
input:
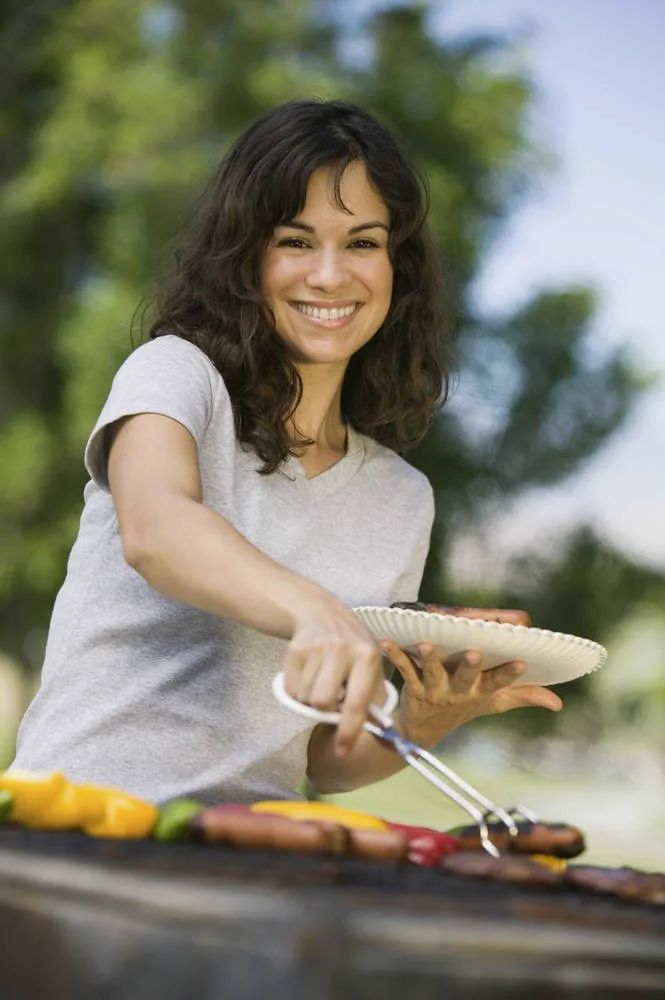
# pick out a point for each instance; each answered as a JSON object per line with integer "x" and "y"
{"x": 246, "y": 490}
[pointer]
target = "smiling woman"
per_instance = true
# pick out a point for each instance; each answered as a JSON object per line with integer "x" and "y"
{"x": 247, "y": 488}
{"x": 314, "y": 208}
{"x": 331, "y": 281}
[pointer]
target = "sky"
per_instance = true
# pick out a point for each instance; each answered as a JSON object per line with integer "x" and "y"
{"x": 598, "y": 218}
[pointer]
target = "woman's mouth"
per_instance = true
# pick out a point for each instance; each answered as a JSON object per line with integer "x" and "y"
{"x": 330, "y": 318}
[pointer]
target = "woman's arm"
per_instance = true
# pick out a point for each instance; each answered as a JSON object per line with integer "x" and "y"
{"x": 181, "y": 547}
{"x": 369, "y": 760}
{"x": 190, "y": 553}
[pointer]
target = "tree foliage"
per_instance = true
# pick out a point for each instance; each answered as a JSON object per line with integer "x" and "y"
{"x": 115, "y": 113}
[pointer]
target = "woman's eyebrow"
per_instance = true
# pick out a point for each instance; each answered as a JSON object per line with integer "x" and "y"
{"x": 293, "y": 224}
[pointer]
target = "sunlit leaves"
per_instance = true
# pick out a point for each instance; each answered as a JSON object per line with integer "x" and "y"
{"x": 113, "y": 114}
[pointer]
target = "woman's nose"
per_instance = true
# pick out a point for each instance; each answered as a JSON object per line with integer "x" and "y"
{"x": 327, "y": 271}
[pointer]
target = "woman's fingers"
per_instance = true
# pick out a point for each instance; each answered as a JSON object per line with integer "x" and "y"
{"x": 308, "y": 677}
{"x": 360, "y": 687}
{"x": 405, "y": 665}
{"x": 502, "y": 676}
{"x": 328, "y": 685}
{"x": 432, "y": 668}
{"x": 294, "y": 666}
{"x": 526, "y": 696}
{"x": 464, "y": 671}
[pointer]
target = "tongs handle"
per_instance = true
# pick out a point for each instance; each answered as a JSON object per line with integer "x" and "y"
{"x": 320, "y": 715}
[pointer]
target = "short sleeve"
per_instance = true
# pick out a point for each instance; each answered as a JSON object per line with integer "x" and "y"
{"x": 167, "y": 375}
{"x": 407, "y": 585}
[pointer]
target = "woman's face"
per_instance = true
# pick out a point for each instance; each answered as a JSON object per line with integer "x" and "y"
{"x": 326, "y": 274}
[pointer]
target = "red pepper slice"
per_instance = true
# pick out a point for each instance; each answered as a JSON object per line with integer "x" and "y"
{"x": 427, "y": 847}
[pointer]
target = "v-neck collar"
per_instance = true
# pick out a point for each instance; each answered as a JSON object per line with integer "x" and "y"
{"x": 335, "y": 476}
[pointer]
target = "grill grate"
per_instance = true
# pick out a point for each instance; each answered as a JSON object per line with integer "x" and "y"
{"x": 412, "y": 889}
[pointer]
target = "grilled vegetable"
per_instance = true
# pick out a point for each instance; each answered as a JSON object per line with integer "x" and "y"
{"x": 174, "y": 819}
{"x": 50, "y": 802}
{"x": 427, "y": 847}
{"x": 350, "y": 818}
{"x": 6, "y": 803}
{"x": 123, "y": 816}
{"x": 554, "y": 864}
{"x": 36, "y": 797}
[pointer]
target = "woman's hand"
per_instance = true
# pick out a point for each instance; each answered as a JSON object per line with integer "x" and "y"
{"x": 331, "y": 648}
{"x": 440, "y": 695}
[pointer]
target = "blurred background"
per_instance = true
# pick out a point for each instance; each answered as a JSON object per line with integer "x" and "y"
{"x": 540, "y": 128}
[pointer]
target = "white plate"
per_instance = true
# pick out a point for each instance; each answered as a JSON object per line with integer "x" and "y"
{"x": 550, "y": 657}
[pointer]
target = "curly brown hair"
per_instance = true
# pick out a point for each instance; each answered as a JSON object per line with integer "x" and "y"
{"x": 396, "y": 383}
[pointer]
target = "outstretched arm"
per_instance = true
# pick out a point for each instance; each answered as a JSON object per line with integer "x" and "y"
{"x": 192, "y": 554}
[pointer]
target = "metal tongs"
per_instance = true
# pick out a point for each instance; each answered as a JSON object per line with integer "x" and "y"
{"x": 429, "y": 766}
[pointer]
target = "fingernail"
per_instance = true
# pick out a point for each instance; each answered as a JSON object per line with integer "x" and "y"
{"x": 386, "y": 647}
{"x": 340, "y": 751}
{"x": 425, "y": 649}
{"x": 472, "y": 657}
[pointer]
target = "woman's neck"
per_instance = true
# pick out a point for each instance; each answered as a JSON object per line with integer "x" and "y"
{"x": 319, "y": 415}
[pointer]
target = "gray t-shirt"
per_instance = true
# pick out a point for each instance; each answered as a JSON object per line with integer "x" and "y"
{"x": 155, "y": 697}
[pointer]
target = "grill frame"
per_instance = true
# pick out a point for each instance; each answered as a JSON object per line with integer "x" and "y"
{"x": 330, "y": 926}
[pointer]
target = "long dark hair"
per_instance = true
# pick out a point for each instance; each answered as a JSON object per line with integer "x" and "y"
{"x": 396, "y": 383}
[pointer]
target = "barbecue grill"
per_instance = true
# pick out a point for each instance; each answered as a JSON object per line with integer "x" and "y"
{"x": 81, "y": 917}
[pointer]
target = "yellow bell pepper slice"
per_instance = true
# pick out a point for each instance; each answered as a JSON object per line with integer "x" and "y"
{"x": 549, "y": 861}
{"x": 351, "y": 818}
{"x": 50, "y": 802}
{"x": 35, "y": 795}
{"x": 122, "y": 816}
{"x": 73, "y": 806}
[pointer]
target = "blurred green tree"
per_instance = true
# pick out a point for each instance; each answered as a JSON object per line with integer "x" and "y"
{"x": 115, "y": 112}
{"x": 587, "y": 588}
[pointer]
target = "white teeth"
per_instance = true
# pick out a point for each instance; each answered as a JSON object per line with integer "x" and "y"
{"x": 325, "y": 314}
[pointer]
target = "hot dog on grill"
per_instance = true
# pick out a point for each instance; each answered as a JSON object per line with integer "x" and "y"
{"x": 627, "y": 883}
{"x": 379, "y": 845}
{"x": 559, "y": 839}
{"x": 233, "y": 824}
{"x": 238, "y": 825}
{"x": 508, "y": 868}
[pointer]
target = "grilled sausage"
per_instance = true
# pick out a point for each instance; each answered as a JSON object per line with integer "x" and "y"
{"x": 508, "y": 868}
{"x": 559, "y": 839}
{"x": 627, "y": 883}
{"x": 510, "y": 616}
{"x": 379, "y": 845}
{"x": 238, "y": 825}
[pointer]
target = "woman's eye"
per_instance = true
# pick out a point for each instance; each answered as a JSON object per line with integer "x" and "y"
{"x": 291, "y": 241}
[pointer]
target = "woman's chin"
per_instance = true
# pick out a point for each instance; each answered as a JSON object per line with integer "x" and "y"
{"x": 319, "y": 354}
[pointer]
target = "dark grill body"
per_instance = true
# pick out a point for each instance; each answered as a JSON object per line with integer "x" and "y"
{"x": 81, "y": 917}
